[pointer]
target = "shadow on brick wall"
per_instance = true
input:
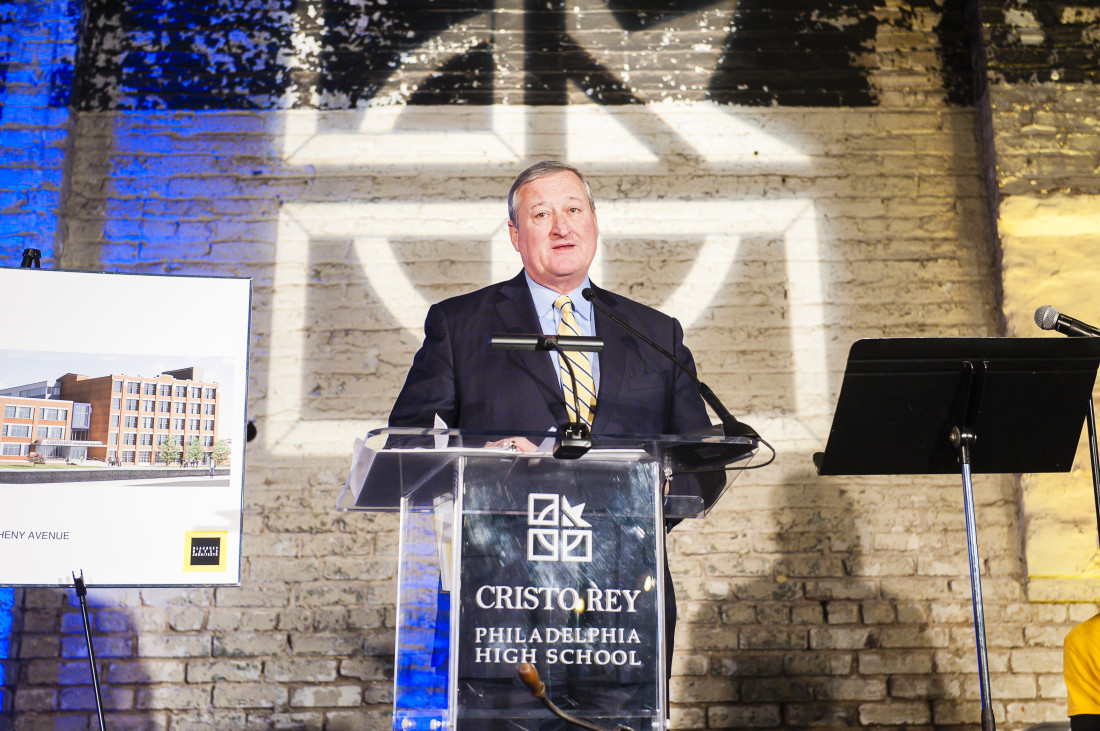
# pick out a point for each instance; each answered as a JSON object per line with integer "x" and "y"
{"x": 54, "y": 684}
{"x": 806, "y": 634}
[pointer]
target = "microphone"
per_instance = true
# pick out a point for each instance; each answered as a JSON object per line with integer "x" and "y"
{"x": 574, "y": 437}
{"x": 1048, "y": 318}
{"x": 731, "y": 427}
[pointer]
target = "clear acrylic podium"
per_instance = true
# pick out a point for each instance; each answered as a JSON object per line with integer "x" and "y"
{"x": 509, "y": 557}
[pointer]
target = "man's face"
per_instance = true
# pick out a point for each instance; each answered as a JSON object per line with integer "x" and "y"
{"x": 555, "y": 231}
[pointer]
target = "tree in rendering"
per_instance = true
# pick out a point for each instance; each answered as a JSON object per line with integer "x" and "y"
{"x": 194, "y": 450}
{"x": 169, "y": 451}
{"x": 221, "y": 451}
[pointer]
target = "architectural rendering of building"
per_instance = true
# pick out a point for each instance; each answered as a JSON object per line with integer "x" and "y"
{"x": 48, "y": 428}
{"x": 118, "y": 418}
{"x": 136, "y": 415}
{"x": 41, "y": 389}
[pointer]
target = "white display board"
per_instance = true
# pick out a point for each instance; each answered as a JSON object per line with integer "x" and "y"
{"x": 149, "y": 522}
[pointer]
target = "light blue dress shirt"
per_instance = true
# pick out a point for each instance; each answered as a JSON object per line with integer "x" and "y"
{"x": 550, "y": 318}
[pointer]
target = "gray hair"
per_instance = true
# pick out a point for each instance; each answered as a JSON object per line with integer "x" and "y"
{"x": 541, "y": 170}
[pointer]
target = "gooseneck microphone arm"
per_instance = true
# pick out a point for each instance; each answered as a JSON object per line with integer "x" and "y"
{"x": 574, "y": 437}
{"x": 524, "y": 341}
{"x": 730, "y": 425}
{"x": 530, "y": 677}
{"x": 572, "y": 380}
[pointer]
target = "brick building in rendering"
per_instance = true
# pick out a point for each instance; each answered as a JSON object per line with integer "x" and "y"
{"x": 117, "y": 418}
{"x": 50, "y": 428}
{"x": 134, "y": 416}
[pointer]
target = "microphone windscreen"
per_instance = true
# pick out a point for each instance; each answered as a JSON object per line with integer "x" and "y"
{"x": 1046, "y": 317}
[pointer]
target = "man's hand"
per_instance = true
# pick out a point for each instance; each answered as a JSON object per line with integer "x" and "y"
{"x": 514, "y": 444}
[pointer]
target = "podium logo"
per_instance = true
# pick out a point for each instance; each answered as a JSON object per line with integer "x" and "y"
{"x": 556, "y": 531}
{"x": 205, "y": 550}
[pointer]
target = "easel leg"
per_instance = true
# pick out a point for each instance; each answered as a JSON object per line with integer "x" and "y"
{"x": 988, "y": 722}
{"x": 82, "y": 592}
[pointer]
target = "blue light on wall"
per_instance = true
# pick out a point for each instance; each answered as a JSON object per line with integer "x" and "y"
{"x": 37, "y": 49}
{"x": 7, "y": 607}
{"x": 172, "y": 178}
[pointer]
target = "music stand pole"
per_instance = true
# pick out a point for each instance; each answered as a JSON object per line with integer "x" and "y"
{"x": 962, "y": 439}
{"x": 1090, "y": 419}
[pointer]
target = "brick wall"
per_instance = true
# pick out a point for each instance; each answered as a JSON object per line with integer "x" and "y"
{"x": 785, "y": 181}
{"x": 38, "y": 42}
{"x": 1042, "y": 71}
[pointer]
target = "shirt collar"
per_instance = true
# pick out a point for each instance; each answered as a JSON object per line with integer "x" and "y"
{"x": 545, "y": 297}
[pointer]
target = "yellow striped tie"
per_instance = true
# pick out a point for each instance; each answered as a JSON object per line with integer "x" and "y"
{"x": 582, "y": 369}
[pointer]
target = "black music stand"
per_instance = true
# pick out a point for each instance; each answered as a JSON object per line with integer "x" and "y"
{"x": 972, "y": 405}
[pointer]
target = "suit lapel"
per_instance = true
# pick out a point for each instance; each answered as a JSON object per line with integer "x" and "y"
{"x": 612, "y": 361}
{"x": 517, "y": 313}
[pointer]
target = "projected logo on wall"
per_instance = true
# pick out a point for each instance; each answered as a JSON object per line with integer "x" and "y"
{"x": 622, "y": 139}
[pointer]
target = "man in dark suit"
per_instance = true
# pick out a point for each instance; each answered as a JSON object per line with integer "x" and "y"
{"x": 457, "y": 377}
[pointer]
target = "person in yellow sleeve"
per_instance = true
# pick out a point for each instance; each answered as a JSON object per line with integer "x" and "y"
{"x": 1081, "y": 665}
